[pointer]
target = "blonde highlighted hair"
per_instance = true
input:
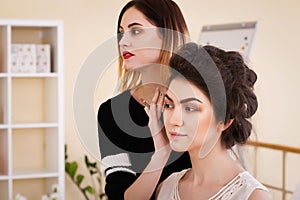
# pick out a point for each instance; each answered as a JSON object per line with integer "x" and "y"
{"x": 167, "y": 16}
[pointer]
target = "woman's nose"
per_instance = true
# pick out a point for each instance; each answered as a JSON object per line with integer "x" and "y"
{"x": 124, "y": 39}
{"x": 176, "y": 117}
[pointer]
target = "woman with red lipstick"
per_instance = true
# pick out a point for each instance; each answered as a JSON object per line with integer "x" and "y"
{"x": 133, "y": 160}
{"x": 207, "y": 108}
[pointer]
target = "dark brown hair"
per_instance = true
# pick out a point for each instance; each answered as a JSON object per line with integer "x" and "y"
{"x": 195, "y": 64}
{"x": 164, "y": 14}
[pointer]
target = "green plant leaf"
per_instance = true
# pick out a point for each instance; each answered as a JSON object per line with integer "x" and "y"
{"x": 94, "y": 165}
{"x": 101, "y": 196}
{"x": 93, "y": 172}
{"x": 72, "y": 169}
{"x": 88, "y": 163}
{"x": 89, "y": 189}
{"x": 79, "y": 178}
{"x": 66, "y": 155}
{"x": 86, "y": 160}
{"x": 67, "y": 167}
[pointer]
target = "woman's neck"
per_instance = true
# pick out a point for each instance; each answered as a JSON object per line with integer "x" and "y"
{"x": 151, "y": 74}
{"x": 217, "y": 168}
{"x": 150, "y": 80}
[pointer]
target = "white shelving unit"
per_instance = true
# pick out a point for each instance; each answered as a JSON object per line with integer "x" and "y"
{"x": 31, "y": 114}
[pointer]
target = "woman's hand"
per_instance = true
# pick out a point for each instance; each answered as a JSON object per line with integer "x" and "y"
{"x": 154, "y": 111}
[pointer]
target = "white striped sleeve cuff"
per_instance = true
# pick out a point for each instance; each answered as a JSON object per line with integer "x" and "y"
{"x": 114, "y": 163}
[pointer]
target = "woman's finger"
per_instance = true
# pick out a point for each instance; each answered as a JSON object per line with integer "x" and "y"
{"x": 147, "y": 110}
{"x": 160, "y": 103}
{"x": 155, "y": 97}
{"x": 145, "y": 103}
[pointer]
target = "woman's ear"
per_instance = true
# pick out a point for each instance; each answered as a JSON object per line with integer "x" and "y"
{"x": 223, "y": 127}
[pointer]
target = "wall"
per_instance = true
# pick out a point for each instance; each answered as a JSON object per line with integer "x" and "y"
{"x": 274, "y": 54}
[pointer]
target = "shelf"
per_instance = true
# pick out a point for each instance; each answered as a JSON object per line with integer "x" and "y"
{"x": 35, "y": 149}
{"x": 29, "y": 75}
{"x": 30, "y": 174}
{"x": 3, "y": 177}
{"x": 34, "y": 125}
{"x": 3, "y": 75}
{"x": 34, "y": 75}
{"x": 34, "y": 100}
{"x": 30, "y": 23}
{"x": 33, "y": 188}
{"x": 31, "y": 112}
{"x": 3, "y": 126}
{"x": 39, "y": 35}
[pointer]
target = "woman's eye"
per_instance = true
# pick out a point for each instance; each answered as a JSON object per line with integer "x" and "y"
{"x": 135, "y": 31}
{"x": 120, "y": 35}
{"x": 191, "y": 108}
{"x": 168, "y": 106}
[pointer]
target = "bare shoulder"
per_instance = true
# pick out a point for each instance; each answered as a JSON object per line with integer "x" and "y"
{"x": 259, "y": 194}
{"x": 158, "y": 189}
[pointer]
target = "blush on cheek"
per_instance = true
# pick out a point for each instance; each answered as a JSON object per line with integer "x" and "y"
{"x": 200, "y": 131}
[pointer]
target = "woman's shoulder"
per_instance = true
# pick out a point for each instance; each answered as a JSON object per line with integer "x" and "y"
{"x": 251, "y": 181}
{"x": 259, "y": 194}
{"x": 174, "y": 178}
{"x": 257, "y": 189}
{"x": 119, "y": 98}
{"x": 178, "y": 175}
{"x": 242, "y": 186}
{"x": 168, "y": 188}
{"x": 122, "y": 107}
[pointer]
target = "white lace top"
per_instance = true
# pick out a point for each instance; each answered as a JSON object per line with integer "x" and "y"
{"x": 239, "y": 188}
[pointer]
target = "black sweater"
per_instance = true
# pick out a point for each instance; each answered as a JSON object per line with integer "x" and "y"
{"x": 126, "y": 145}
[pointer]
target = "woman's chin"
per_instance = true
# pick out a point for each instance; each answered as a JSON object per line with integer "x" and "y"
{"x": 178, "y": 147}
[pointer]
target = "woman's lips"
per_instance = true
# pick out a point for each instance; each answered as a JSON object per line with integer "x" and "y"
{"x": 175, "y": 134}
{"x": 127, "y": 55}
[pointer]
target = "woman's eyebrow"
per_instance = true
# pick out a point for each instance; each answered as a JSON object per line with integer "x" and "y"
{"x": 184, "y": 100}
{"x": 190, "y": 99}
{"x": 169, "y": 98}
{"x": 130, "y": 25}
{"x": 134, "y": 24}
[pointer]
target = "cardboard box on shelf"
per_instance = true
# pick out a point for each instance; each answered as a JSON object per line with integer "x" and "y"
{"x": 43, "y": 58}
{"x": 30, "y": 58}
{"x": 23, "y": 58}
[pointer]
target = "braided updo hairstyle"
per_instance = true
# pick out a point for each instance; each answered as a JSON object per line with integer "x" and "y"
{"x": 238, "y": 80}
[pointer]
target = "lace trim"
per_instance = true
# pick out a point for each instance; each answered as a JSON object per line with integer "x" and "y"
{"x": 243, "y": 179}
{"x": 231, "y": 188}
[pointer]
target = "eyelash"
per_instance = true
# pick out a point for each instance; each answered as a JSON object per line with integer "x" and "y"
{"x": 168, "y": 106}
{"x": 135, "y": 31}
{"x": 132, "y": 32}
{"x": 186, "y": 108}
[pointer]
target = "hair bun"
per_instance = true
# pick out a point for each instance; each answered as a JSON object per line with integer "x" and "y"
{"x": 242, "y": 103}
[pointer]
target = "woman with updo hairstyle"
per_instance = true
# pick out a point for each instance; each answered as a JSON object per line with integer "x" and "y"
{"x": 206, "y": 111}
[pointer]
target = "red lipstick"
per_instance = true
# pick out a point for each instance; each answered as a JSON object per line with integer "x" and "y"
{"x": 127, "y": 55}
{"x": 175, "y": 134}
